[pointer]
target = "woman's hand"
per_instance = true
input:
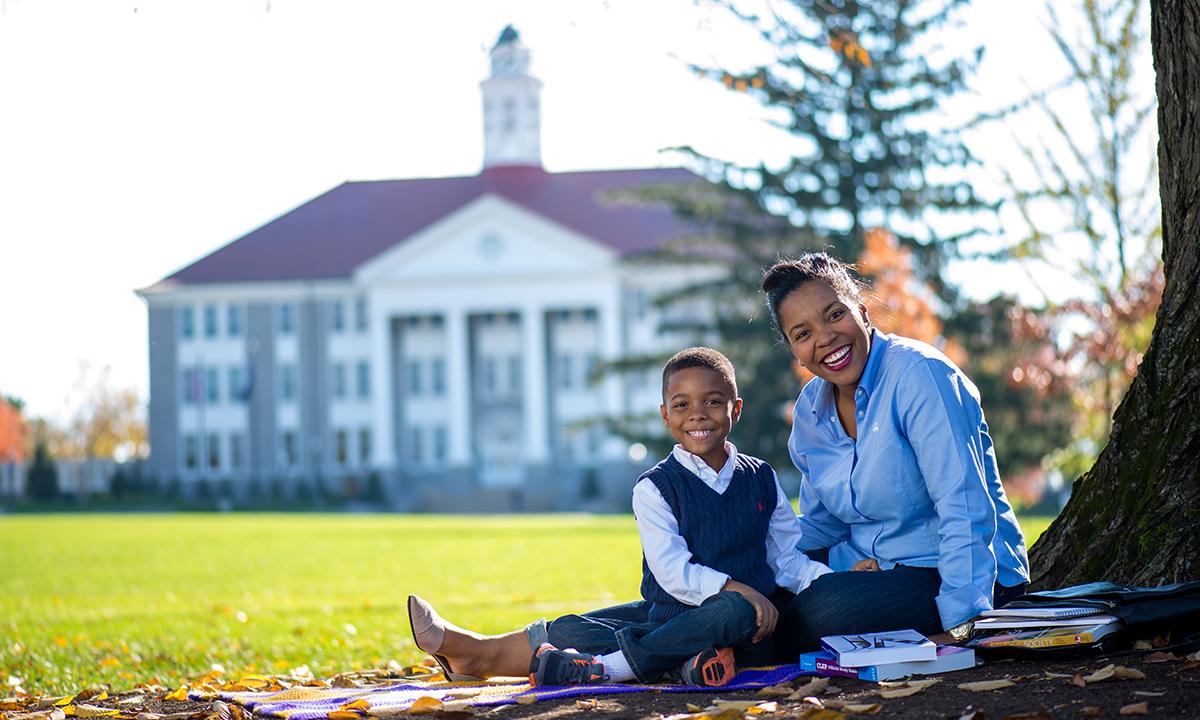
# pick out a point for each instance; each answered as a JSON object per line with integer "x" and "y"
{"x": 868, "y": 564}
{"x": 765, "y": 613}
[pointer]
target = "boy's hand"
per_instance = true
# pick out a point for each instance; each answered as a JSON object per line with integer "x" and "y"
{"x": 765, "y": 613}
{"x": 868, "y": 564}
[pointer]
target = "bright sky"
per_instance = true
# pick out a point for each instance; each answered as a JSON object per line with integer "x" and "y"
{"x": 139, "y": 135}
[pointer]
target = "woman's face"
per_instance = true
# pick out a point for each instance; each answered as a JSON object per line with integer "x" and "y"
{"x": 826, "y": 334}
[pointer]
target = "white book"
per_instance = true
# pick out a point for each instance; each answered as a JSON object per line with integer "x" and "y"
{"x": 880, "y": 648}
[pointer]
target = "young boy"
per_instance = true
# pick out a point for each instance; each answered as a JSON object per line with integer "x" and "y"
{"x": 718, "y": 539}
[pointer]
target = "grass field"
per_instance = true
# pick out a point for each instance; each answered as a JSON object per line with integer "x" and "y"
{"x": 121, "y": 599}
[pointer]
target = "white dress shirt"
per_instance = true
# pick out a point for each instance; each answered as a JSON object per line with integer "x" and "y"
{"x": 667, "y": 553}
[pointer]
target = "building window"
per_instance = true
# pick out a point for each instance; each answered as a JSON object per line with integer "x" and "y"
{"x": 363, "y": 379}
{"x": 418, "y": 439}
{"x": 214, "y": 451}
{"x": 360, "y": 315}
{"x": 590, "y": 364}
{"x": 364, "y": 445}
{"x": 441, "y": 444}
{"x": 288, "y": 453}
{"x": 337, "y": 319}
{"x": 489, "y": 375}
{"x": 287, "y": 382}
{"x": 233, "y": 321}
{"x": 210, "y": 321}
{"x": 190, "y": 391}
{"x": 191, "y": 452}
{"x": 212, "y": 386}
{"x": 414, "y": 377}
{"x": 339, "y": 380}
{"x": 187, "y": 323}
{"x": 235, "y": 450}
{"x": 437, "y": 378}
{"x": 237, "y": 393}
{"x": 287, "y": 323}
{"x": 514, "y": 374}
{"x": 564, "y": 372}
{"x": 342, "y": 442}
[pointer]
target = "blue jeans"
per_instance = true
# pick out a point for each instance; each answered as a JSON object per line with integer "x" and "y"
{"x": 843, "y": 603}
{"x": 652, "y": 648}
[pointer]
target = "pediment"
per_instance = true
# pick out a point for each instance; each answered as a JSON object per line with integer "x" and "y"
{"x": 489, "y": 237}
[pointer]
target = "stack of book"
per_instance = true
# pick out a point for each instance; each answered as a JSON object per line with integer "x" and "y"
{"x": 1043, "y": 627}
{"x": 885, "y": 656}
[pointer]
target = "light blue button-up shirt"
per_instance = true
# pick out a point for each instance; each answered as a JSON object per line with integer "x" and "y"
{"x": 920, "y": 486}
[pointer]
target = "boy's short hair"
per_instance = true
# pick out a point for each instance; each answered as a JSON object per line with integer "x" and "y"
{"x": 699, "y": 357}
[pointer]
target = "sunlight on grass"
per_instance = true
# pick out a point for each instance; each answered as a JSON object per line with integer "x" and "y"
{"x": 130, "y": 598}
{"x": 119, "y": 599}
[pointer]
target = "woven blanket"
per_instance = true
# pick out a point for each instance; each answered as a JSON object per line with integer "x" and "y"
{"x": 311, "y": 703}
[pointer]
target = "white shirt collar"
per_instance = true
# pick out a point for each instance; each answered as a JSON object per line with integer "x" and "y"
{"x": 699, "y": 468}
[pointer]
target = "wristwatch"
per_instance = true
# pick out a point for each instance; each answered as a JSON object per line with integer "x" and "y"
{"x": 962, "y": 632}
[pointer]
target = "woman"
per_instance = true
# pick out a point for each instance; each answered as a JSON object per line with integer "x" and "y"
{"x": 896, "y": 466}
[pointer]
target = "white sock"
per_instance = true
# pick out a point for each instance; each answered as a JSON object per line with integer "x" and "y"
{"x": 616, "y": 666}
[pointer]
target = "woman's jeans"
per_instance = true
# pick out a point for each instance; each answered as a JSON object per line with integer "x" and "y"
{"x": 653, "y": 648}
{"x": 844, "y": 603}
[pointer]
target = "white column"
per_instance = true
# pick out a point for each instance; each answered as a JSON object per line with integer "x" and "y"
{"x": 533, "y": 323}
{"x": 383, "y": 395}
{"x": 458, "y": 385}
{"x": 612, "y": 347}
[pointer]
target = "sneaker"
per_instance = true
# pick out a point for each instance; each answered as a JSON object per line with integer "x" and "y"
{"x": 553, "y": 667}
{"x": 710, "y": 668}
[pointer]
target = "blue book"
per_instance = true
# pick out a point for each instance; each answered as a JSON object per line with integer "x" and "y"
{"x": 949, "y": 658}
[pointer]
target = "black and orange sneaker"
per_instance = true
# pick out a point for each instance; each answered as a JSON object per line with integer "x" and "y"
{"x": 710, "y": 668}
{"x": 553, "y": 667}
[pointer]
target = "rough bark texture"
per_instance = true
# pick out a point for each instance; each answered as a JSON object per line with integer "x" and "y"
{"x": 1135, "y": 516}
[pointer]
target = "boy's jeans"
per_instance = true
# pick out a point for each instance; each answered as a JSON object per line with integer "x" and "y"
{"x": 724, "y": 620}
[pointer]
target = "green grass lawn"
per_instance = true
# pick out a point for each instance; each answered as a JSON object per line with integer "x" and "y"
{"x": 122, "y": 599}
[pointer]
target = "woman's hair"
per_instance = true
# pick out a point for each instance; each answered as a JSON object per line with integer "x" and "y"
{"x": 786, "y": 276}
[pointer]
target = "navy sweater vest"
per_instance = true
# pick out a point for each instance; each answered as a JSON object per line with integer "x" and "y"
{"x": 726, "y": 532}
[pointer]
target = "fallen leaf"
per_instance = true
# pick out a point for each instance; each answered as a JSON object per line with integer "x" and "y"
{"x": 359, "y": 704}
{"x": 983, "y": 685}
{"x": 1161, "y": 641}
{"x": 816, "y": 686}
{"x": 130, "y": 700}
{"x": 1147, "y": 693}
{"x": 1142, "y": 645}
{"x": 429, "y": 704}
{"x": 823, "y": 714}
{"x": 1161, "y": 657}
{"x": 1077, "y": 681}
{"x": 179, "y": 695}
{"x": 1115, "y": 671}
{"x": 742, "y": 705}
{"x": 148, "y": 716}
{"x": 1090, "y": 711}
{"x": 586, "y": 704}
{"x": 911, "y": 683}
{"x": 781, "y": 689}
{"x": 813, "y": 701}
{"x": 1142, "y": 708}
{"x": 854, "y": 708}
{"x": 91, "y": 711}
{"x": 899, "y": 692}
{"x": 1190, "y": 665}
{"x": 343, "y": 715}
{"x": 526, "y": 699}
{"x": 972, "y": 715}
{"x": 1054, "y": 674}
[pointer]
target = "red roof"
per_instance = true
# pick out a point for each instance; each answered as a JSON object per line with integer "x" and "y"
{"x": 333, "y": 234}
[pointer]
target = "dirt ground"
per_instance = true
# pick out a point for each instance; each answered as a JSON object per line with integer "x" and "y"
{"x": 1042, "y": 689}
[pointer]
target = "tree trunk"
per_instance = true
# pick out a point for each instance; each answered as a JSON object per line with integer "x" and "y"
{"x": 1135, "y": 516}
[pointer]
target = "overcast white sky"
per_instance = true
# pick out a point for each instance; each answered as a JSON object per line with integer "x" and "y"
{"x": 138, "y": 135}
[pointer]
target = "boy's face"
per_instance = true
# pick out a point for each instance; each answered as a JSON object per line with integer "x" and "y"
{"x": 700, "y": 409}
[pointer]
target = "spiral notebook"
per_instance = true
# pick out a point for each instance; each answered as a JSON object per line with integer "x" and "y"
{"x": 1042, "y": 612}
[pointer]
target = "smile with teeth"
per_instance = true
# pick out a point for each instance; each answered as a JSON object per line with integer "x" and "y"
{"x": 836, "y": 356}
{"x": 699, "y": 434}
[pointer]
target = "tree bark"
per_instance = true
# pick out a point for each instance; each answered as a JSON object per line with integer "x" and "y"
{"x": 1135, "y": 516}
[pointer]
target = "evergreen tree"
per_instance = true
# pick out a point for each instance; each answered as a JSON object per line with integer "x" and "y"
{"x": 42, "y": 481}
{"x": 856, "y": 82}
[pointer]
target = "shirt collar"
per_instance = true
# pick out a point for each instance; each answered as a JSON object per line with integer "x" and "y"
{"x": 700, "y": 469}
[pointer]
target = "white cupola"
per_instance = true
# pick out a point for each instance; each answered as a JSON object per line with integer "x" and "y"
{"x": 512, "y": 106}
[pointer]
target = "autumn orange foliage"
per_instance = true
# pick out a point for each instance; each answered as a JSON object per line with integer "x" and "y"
{"x": 14, "y": 434}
